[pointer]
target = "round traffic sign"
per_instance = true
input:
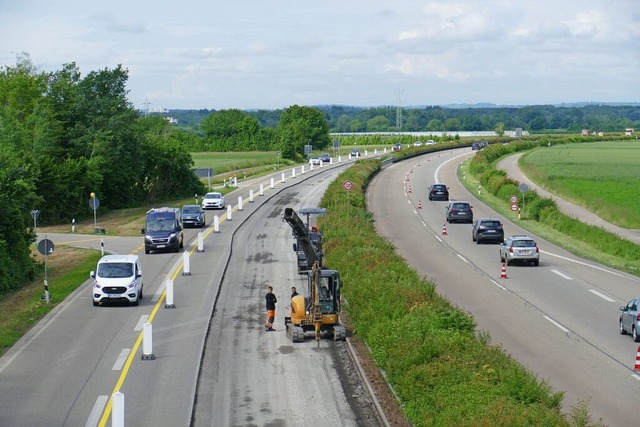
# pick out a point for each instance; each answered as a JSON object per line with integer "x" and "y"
{"x": 514, "y": 207}
{"x": 347, "y": 185}
{"x": 513, "y": 199}
{"x": 523, "y": 187}
{"x": 45, "y": 247}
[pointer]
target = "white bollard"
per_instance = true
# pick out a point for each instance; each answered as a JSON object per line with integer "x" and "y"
{"x": 321, "y": 163}
{"x": 102, "y": 246}
{"x": 251, "y": 196}
{"x": 282, "y": 177}
{"x": 239, "y": 203}
{"x": 229, "y": 212}
{"x": 366, "y": 153}
{"x": 302, "y": 170}
{"x": 169, "y": 299}
{"x": 330, "y": 160}
{"x": 262, "y": 189}
{"x": 375, "y": 151}
{"x": 216, "y": 224}
{"x": 147, "y": 342}
{"x": 117, "y": 415}
{"x": 293, "y": 173}
{"x": 385, "y": 150}
{"x": 339, "y": 159}
{"x": 272, "y": 182}
{"x": 186, "y": 270}
{"x": 200, "y": 242}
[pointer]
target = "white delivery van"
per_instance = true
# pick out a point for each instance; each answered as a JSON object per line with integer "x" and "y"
{"x": 117, "y": 278}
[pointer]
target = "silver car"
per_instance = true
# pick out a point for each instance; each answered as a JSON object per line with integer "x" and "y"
{"x": 630, "y": 319}
{"x": 519, "y": 248}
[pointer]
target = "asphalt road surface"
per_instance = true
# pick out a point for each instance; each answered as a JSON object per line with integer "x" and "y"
{"x": 559, "y": 319}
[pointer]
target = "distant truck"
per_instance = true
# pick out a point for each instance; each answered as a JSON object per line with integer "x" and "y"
{"x": 163, "y": 230}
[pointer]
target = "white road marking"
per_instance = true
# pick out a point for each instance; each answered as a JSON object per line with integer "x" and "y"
{"x": 96, "y": 412}
{"x": 159, "y": 292}
{"x": 636, "y": 376}
{"x": 498, "y": 285}
{"x": 141, "y": 322}
{"x": 601, "y": 295}
{"x": 415, "y": 212}
{"x": 615, "y": 273}
{"x": 462, "y": 258}
{"x": 121, "y": 359}
{"x": 557, "y": 324}
{"x": 564, "y": 276}
{"x": 438, "y": 238}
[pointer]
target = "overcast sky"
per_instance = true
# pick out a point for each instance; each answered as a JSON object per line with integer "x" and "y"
{"x": 276, "y": 53}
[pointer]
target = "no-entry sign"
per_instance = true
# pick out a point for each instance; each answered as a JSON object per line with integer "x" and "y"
{"x": 347, "y": 185}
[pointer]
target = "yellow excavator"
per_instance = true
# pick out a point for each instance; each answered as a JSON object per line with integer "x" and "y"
{"x": 319, "y": 312}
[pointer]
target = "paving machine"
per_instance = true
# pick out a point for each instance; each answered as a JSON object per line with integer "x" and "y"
{"x": 319, "y": 311}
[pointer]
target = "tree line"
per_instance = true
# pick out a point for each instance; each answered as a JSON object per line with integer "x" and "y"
{"x": 534, "y": 118}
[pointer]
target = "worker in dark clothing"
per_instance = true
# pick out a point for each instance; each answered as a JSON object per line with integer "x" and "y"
{"x": 271, "y": 301}
{"x": 294, "y": 292}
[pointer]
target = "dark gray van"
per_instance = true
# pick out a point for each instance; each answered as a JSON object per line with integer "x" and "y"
{"x": 163, "y": 230}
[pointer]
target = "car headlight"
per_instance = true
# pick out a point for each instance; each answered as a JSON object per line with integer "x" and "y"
{"x": 172, "y": 235}
{"x": 131, "y": 285}
{"x": 97, "y": 285}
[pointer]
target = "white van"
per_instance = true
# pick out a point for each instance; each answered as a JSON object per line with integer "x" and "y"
{"x": 117, "y": 278}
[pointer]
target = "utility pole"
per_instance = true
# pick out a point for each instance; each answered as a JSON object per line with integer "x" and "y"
{"x": 398, "y": 102}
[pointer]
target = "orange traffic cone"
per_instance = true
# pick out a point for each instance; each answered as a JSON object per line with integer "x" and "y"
{"x": 409, "y": 188}
{"x": 419, "y": 204}
{"x": 444, "y": 229}
{"x": 503, "y": 274}
{"x": 637, "y": 367}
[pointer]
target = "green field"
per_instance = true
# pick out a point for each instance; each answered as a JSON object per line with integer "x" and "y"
{"x": 603, "y": 177}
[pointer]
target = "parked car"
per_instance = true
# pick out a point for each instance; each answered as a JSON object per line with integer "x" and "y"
{"x": 431, "y": 142}
{"x": 314, "y": 161}
{"x": 519, "y": 248}
{"x": 417, "y": 144}
{"x": 438, "y": 192}
{"x": 213, "y": 200}
{"x": 193, "y": 215}
{"x": 325, "y": 158}
{"x": 396, "y": 147}
{"x": 355, "y": 153}
{"x": 487, "y": 229}
{"x": 118, "y": 278}
{"x": 459, "y": 211}
{"x": 630, "y": 319}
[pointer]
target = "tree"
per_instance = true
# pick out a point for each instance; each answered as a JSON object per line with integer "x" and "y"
{"x": 452, "y": 124}
{"x": 435, "y": 125}
{"x": 378, "y": 124}
{"x": 499, "y": 129}
{"x": 230, "y": 130}
{"x": 305, "y": 125}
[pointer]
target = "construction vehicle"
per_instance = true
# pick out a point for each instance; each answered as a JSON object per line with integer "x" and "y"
{"x": 314, "y": 234}
{"x": 319, "y": 312}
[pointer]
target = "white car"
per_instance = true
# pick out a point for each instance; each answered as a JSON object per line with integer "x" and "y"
{"x": 315, "y": 161}
{"x": 118, "y": 278}
{"x": 213, "y": 200}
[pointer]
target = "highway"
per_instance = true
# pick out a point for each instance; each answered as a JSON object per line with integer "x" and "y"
{"x": 559, "y": 319}
{"x": 64, "y": 371}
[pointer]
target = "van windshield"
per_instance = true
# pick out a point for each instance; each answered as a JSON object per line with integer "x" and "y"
{"x": 115, "y": 270}
{"x": 161, "y": 221}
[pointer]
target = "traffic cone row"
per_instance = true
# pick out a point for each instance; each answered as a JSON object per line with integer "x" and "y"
{"x": 503, "y": 274}
{"x": 444, "y": 229}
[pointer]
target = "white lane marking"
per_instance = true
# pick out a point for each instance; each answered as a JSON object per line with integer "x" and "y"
{"x": 141, "y": 322}
{"x": 601, "y": 295}
{"x": 121, "y": 359}
{"x": 462, "y": 258}
{"x": 408, "y": 201}
{"x": 160, "y": 290}
{"x": 564, "y": 276}
{"x": 557, "y": 324}
{"x": 438, "y": 238}
{"x": 636, "y": 376}
{"x": 424, "y": 223}
{"x": 96, "y": 412}
{"x": 436, "y": 174}
{"x": 498, "y": 285}
{"x": 415, "y": 212}
{"x": 615, "y": 273}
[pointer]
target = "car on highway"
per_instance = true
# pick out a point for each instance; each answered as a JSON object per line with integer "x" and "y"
{"x": 487, "y": 229}
{"x": 630, "y": 319}
{"x": 438, "y": 192}
{"x": 326, "y": 158}
{"x": 459, "y": 211}
{"x": 118, "y": 278}
{"x": 213, "y": 200}
{"x": 193, "y": 216}
{"x": 519, "y": 248}
{"x": 417, "y": 144}
{"x": 396, "y": 147}
{"x": 314, "y": 161}
{"x": 355, "y": 153}
{"x": 431, "y": 142}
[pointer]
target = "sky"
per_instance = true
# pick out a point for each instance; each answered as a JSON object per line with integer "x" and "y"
{"x": 271, "y": 54}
